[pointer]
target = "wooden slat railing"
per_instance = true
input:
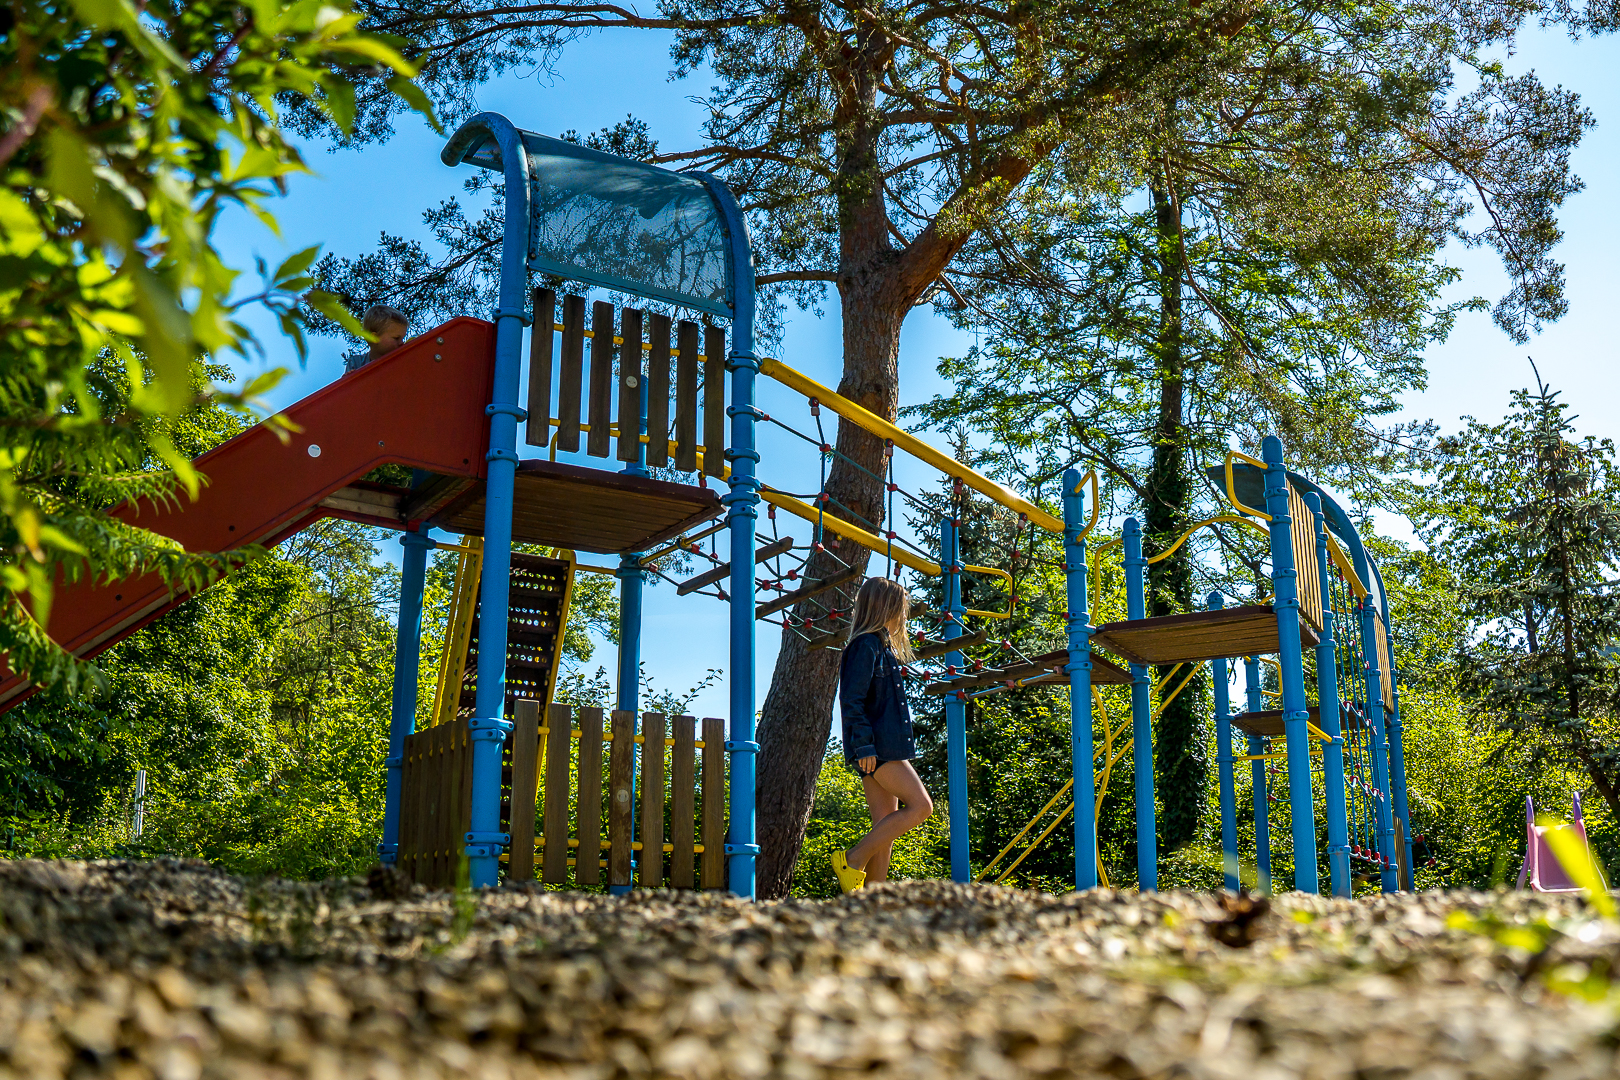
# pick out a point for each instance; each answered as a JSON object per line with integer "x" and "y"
{"x": 585, "y": 399}
{"x": 667, "y": 790}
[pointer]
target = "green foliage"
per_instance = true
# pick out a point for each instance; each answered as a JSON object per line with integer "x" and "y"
{"x": 130, "y": 129}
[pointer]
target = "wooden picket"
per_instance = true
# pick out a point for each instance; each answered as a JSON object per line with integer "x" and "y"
{"x": 588, "y": 403}
{"x": 653, "y": 794}
{"x": 437, "y": 775}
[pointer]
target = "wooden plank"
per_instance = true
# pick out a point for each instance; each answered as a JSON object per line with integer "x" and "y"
{"x": 599, "y": 441}
{"x": 630, "y": 386}
{"x": 463, "y": 819}
{"x": 537, "y": 431}
{"x": 621, "y": 805}
{"x": 588, "y": 809}
{"x": 525, "y": 788}
{"x": 1302, "y": 537}
{"x": 686, "y": 393}
{"x": 714, "y": 401}
{"x": 811, "y": 587}
{"x": 658, "y": 391}
{"x": 721, "y": 572}
{"x": 1270, "y": 722}
{"x": 445, "y": 812}
{"x": 682, "y": 801}
{"x": 560, "y": 718}
{"x": 571, "y": 382}
{"x": 650, "y": 867}
{"x": 714, "y": 803}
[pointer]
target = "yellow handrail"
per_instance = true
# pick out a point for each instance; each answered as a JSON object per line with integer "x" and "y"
{"x": 876, "y": 425}
{"x": 1229, "y": 519}
{"x": 846, "y": 530}
{"x": 1091, "y": 474}
{"x": 1231, "y": 492}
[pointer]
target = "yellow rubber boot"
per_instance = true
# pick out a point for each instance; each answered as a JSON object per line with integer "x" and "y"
{"x": 849, "y": 878}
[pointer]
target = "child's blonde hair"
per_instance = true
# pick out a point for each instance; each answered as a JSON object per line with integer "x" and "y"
{"x": 882, "y": 606}
{"x": 378, "y": 316}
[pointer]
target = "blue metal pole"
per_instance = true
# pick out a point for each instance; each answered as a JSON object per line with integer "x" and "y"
{"x": 407, "y": 663}
{"x": 950, "y": 560}
{"x": 1078, "y": 624}
{"x": 743, "y": 499}
{"x": 1327, "y": 696}
{"x": 1147, "y": 844}
{"x": 1255, "y": 702}
{"x": 631, "y": 585}
{"x": 1388, "y": 877}
{"x": 488, "y": 727}
{"x": 1223, "y": 759}
{"x": 1290, "y": 656}
{"x": 1397, "y": 748}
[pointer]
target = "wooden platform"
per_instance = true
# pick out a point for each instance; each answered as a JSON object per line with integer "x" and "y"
{"x": 1270, "y": 722}
{"x": 1200, "y": 635}
{"x": 568, "y": 506}
{"x": 1043, "y": 670}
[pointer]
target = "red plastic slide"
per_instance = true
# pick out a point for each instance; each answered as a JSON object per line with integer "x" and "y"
{"x": 421, "y": 405}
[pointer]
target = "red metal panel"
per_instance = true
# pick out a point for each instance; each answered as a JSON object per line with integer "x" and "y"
{"x": 422, "y": 405}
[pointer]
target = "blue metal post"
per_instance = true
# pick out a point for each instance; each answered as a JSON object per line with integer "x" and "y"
{"x": 488, "y": 727}
{"x": 1254, "y": 701}
{"x": 631, "y": 585}
{"x": 1147, "y": 844}
{"x": 1397, "y": 748}
{"x": 1078, "y": 622}
{"x": 407, "y": 662}
{"x": 743, "y": 500}
{"x": 950, "y": 561}
{"x": 1327, "y": 696}
{"x": 1223, "y": 759}
{"x": 1290, "y": 656}
{"x": 1388, "y": 876}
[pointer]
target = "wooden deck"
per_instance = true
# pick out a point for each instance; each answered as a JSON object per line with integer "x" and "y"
{"x": 593, "y": 510}
{"x": 1200, "y": 635}
{"x": 1270, "y": 722}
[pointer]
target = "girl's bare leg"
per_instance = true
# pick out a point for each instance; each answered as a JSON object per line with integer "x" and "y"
{"x": 900, "y": 780}
{"x": 881, "y": 804}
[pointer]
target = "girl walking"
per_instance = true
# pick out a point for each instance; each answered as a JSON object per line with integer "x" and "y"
{"x": 878, "y": 742}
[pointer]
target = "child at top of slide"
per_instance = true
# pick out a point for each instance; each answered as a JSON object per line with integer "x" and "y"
{"x": 877, "y": 730}
{"x": 389, "y": 325}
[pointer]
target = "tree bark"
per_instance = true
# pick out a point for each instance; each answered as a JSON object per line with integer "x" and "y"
{"x": 1180, "y": 766}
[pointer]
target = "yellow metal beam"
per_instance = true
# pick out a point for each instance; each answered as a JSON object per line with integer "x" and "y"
{"x": 848, "y": 531}
{"x": 870, "y": 421}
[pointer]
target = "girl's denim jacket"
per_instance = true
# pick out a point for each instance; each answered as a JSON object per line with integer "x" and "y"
{"x": 872, "y": 699}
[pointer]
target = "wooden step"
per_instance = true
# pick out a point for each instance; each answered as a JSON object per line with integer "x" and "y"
{"x": 723, "y": 571}
{"x": 1270, "y": 722}
{"x": 1198, "y": 635}
{"x": 811, "y": 587}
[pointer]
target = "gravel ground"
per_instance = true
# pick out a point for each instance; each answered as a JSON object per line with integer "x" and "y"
{"x": 174, "y": 970}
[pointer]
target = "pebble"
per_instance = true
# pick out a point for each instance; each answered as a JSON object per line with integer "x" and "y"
{"x": 176, "y": 971}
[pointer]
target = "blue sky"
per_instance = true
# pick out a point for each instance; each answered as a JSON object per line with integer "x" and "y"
{"x": 355, "y": 195}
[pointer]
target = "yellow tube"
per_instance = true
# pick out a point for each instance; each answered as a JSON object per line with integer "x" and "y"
{"x": 848, "y": 531}
{"x": 1231, "y": 492}
{"x": 876, "y": 425}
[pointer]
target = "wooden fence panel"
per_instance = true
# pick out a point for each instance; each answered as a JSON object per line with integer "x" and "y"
{"x": 621, "y": 806}
{"x": 686, "y": 397}
{"x": 598, "y": 442}
{"x": 461, "y": 804}
{"x": 525, "y": 787}
{"x": 714, "y": 803}
{"x": 571, "y": 383}
{"x": 650, "y": 871}
{"x": 588, "y": 812}
{"x": 537, "y": 431}
{"x": 682, "y": 801}
{"x": 714, "y": 401}
{"x": 558, "y": 744}
{"x": 658, "y": 391}
{"x": 1302, "y": 537}
{"x": 630, "y": 386}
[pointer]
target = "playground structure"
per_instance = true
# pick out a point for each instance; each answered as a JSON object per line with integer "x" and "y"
{"x": 1544, "y": 868}
{"x": 675, "y": 395}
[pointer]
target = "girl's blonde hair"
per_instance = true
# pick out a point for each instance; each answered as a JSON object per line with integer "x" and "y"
{"x": 882, "y": 606}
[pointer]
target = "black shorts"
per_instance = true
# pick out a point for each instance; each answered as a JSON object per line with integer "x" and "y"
{"x": 856, "y": 765}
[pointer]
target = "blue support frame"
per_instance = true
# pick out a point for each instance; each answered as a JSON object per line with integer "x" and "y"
{"x": 1147, "y": 844}
{"x": 407, "y": 664}
{"x": 1327, "y": 696}
{"x": 950, "y": 561}
{"x": 1254, "y": 701}
{"x": 742, "y": 850}
{"x": 1224, "y": 763}
{"x": 1290, "y": 656}
{"x": 1397, "y": 746}
{"x": 1077, "y": 622}
{"x": 1389, "y": 880}
{"x": 488, "y": 727}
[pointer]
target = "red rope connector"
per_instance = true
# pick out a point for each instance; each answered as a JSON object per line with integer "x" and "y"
{"x": 892, "y": 535}
{"x": 826, "y": 448}
{"x": 894, "y": 487}
{"x": 1005, "y": 644}
{"x": 792, "y": 575}
{"x": 950, "y": 669}
{"x": 815, "y": 407}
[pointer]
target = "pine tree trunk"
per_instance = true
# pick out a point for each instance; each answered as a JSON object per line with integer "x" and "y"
{"x": 796, "y": 720}
{"x": 1180, "y": 766}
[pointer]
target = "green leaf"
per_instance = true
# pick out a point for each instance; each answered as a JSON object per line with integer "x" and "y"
{"x": 332, "y": 307}
{"x": 408, "y": 92}
{"x": 295, "y": 265}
